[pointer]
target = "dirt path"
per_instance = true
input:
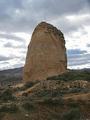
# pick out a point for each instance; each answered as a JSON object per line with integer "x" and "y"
{"x": 80, "y": 96}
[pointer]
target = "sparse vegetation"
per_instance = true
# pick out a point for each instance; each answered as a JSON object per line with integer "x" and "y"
{"x": 27, "y": 85}
{"x": 73, "y": 114}
{"x": 50, "y": 103}
{"x": 9, "y": 108}
{"x": 72, "y": 75}
{"x": 53, "y": 102}
{"x": 7, "y": 95}
{"x": 28, "y": 106}
{"x": 73, "y": 104}
{"x": 43, "y": 93}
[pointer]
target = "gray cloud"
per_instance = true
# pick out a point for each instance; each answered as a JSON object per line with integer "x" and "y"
{"x": 10, "y": 45}
{"x": 88, "y": 45}
{"x": 17, "y": 65}
{"x": 77, "y": 60}
{"x": 59, "y": 7}
{"x": 71, "y": 52}
{"x": 8, "y": 64}
{"x": 88, "y": 2}
{"x": 77, "y": 57}
{"x": 21, "y": 15}
{"x": 4, "y": 58}
{"x": 10, "y": 36}
{"x": 13, "y": 56}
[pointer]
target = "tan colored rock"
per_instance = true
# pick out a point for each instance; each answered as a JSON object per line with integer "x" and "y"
{"x": 46, "y": 54}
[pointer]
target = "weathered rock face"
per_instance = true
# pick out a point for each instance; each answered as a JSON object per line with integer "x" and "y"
{"x": 46, "y": 54}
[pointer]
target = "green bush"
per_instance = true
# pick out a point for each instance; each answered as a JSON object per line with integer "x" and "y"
{"x": 73, "y": 104}
{"x": 43, "y": 93}
{"x": 73, "y": 114}
{"x": 28, "y": 106}
{"x": 7, "y": 95}
{"x": 53, "y": 102}
{"x": 72, "y": 75}
{"x": 12, "y": 108}
{"x": 76, "y": 90}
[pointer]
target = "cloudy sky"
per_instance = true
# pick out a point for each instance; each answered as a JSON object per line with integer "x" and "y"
{"x": 18, "y": 19}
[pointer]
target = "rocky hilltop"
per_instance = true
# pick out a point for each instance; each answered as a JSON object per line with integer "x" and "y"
{"x": 46, "y": 54}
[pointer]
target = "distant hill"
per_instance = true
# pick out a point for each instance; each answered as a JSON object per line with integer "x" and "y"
{"x": 10, "y": 72}
{"x": 11, "y": 76}
{"x": 14, "y": 76}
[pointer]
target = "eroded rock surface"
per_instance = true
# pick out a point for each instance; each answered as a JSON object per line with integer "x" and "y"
{"x": 46, "y": 54}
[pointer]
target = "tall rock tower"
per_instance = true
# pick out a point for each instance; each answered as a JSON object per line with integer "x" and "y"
{"x": 46, "y": 54}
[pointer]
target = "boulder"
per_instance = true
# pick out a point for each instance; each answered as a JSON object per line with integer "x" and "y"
{"x": 46, "y": 55}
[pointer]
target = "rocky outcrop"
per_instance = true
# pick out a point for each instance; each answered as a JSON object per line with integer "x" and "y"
{"x": 62, "y": 85}
{"x": 46, "y": 54}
